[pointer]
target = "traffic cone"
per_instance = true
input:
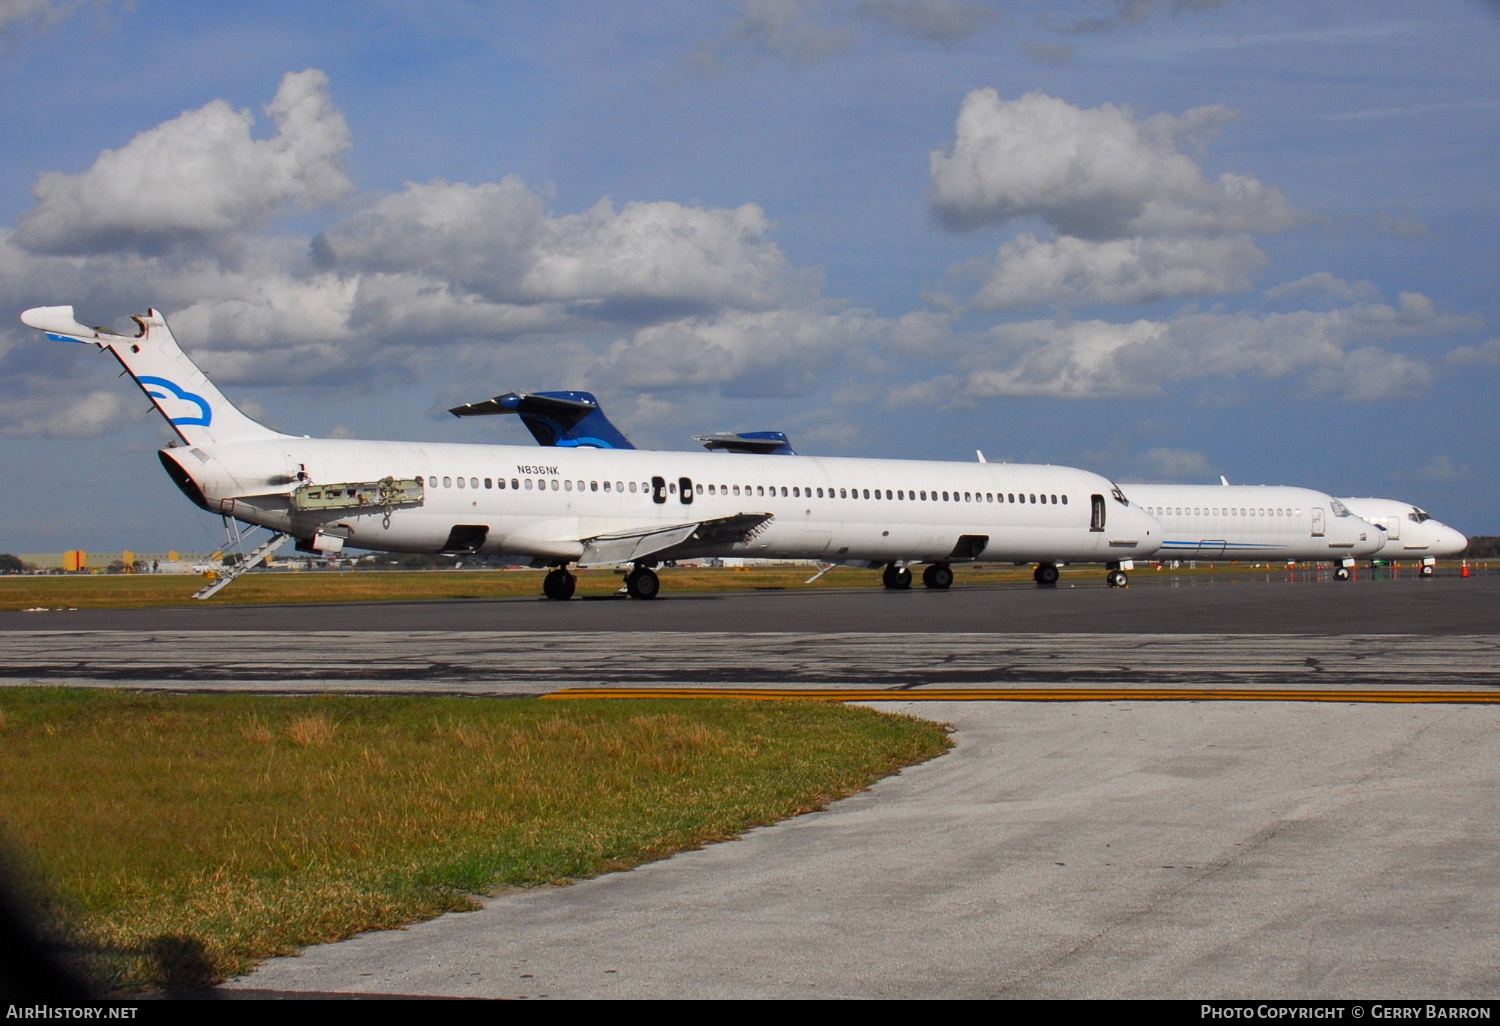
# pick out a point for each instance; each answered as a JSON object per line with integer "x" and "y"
{"x": 1465, "y": 571}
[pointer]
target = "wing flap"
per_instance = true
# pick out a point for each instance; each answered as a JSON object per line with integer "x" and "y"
{"x": 628, "y": 546}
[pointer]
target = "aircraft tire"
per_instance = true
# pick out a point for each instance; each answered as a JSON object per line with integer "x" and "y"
{"x": 642, "y": 583}
{"x": 896, "y": 578}
{"x": 1046, "y": 575}
{"x": 1117, "y": 579}
{"x": 1426, "y": 571}
{"x": 1341, "y": 573}
{"x": 559, "y": 585}
{"x": 938, "y": 576}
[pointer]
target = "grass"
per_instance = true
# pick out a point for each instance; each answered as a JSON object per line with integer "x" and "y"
{"x": 125, "y": 591}
{"x": 183, "y": 837}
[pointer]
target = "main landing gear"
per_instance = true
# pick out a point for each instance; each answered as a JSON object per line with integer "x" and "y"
{"x": 642, "y": 583}
{"x": 896, "y": 578}
{"x": 938, "y": 576}
{"x": 559, "y": 584}
{"x": 1045, "y": 575}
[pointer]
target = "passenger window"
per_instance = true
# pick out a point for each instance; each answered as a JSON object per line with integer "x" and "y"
{"x": 783, "y": 491}
{"x": 487, "y": 482}
{"x": 528, "y": 484}
{"x": 606, "y": 486}
{"x": 554, "y": 484}
{"x": 432, "y": 482}
{"x": 500, "y": 483}
{"x": 1064, "y": 500}
{"x": 594, "y": 486}
{"x": 568, "y": 485}
{"x": 760, "y": 489}
{"x": 820, "y": 493}
{"x": 447, "y": 482}
{"x": 632, "y": 486}
{"x": 473, "y": 482}
{"x": 699, "y": 489}
{"x": 736, "y": 489}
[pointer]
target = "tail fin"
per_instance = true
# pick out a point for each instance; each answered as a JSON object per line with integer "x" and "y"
{"x": 565, "y": 419}
{"x": 182, "y": 393}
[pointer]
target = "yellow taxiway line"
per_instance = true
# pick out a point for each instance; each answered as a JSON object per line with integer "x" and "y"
{"x": 1038, "y": 694}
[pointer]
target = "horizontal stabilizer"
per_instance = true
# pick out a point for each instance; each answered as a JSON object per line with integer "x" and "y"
{"x": 768, "y": 443}
{"x": 59, "y": 320}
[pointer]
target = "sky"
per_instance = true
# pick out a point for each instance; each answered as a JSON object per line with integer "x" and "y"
{"x": 1164, "y": 240}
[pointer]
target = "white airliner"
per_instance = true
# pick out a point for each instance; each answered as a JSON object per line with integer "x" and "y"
{"x": 595, "y": 506}
{"x": 1245, "y": 523}
{"x": 1409, "y": 532}
{"x": 1257, "y": 522}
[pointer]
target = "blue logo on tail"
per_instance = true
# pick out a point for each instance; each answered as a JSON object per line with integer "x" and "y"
{"x": 178, "y": 392}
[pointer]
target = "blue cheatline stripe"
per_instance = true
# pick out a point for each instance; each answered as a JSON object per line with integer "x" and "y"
{"x": 1214, "y": 542}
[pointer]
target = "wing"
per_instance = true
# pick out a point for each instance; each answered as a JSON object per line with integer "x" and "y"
{"x": 628, "y": 546}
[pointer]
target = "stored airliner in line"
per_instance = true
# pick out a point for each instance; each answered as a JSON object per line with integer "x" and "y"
{"x": 1201, "y": 522}
{"x": 1258, "y": 522}
{"x": 1410, "y": 532}
{"x": 586, "y": 506}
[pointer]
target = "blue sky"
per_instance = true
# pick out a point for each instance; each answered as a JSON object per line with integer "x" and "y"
{"x": 1161, "y": 239}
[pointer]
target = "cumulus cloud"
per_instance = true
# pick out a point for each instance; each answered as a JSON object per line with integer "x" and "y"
{"x": 199, "y": 177}
{"x": 1326, "y": 286}
{"x": 1094, "y": 174}
{"x": 438, "y": 264}
{"x": 1327, "y": 352}
{"x": 938, "y": 21}
{"x": 741, "y": 353}
{"x": 498, "y": 241}
{"x": 1067, "y": 270}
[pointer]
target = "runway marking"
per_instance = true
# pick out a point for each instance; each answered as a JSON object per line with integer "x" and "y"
{"x": 1038, "y": 695}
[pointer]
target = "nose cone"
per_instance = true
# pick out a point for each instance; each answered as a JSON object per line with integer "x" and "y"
{"x": 1368, "y": 539}
{"x": 1147, "y": 531}
{"x": 1446, "y": 541}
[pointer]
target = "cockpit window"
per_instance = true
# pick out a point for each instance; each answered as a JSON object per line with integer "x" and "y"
{"x": 1339, "y": 509}
{"x": 1419, "y": 515}
{"x": 1114, "y": 490}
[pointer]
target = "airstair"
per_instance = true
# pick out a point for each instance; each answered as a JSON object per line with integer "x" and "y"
{"x": 228, "y": 574}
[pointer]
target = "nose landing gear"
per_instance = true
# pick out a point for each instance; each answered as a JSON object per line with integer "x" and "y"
{"x": 1046, "y": 575}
